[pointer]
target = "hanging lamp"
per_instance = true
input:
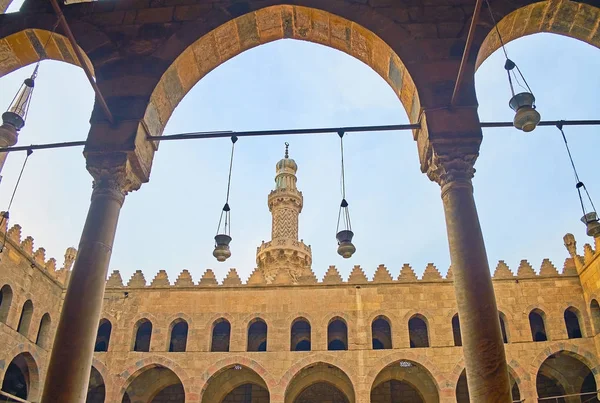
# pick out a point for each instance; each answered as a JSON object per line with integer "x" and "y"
{"x": 13, "y": 119}
{"x": 223, "y": 237}
{"x": 344, "y": 236}
{"x": 590, "y": 216}
{"x": 523, "y": 103}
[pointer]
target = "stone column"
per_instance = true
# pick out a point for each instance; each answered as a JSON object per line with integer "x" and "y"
{"x": 487, "y": 371}
{"x": 69, "y": 368}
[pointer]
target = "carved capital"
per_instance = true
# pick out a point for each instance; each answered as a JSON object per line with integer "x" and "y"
{"x": 452, "y": 169}
{"x": 112, "y": 175}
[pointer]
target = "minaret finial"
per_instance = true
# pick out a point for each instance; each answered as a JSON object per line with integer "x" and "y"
{"x": 287, "y": 145}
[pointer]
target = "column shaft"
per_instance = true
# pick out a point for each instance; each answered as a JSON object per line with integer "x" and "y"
{"x": 487, "y": 371}
{"x": 70, "y": 363}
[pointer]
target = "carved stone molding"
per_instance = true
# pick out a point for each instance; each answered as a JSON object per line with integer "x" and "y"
{"x": 112, "y": 175}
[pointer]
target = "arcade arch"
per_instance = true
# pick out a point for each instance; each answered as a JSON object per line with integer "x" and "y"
{"x": 320, "y": 383}
{"x": 154, "y": 383}
{"x": 462, "y": 389}
{"x": 235, "y": 383}
{"x": 405, "y": 381}
{"x": 21, "y": 378}
{"x": 96, "y": 388}
{"x": 553, "y": 380}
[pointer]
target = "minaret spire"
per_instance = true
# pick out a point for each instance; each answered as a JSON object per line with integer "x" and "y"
{"x": 284, "y": 256}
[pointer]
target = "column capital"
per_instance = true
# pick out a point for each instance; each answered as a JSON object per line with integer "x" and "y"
{"x": 452, "y": 168}
{"x": 112, "y": 175}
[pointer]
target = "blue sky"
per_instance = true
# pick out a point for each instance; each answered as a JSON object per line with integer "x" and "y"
{"x": 524, "y": 187}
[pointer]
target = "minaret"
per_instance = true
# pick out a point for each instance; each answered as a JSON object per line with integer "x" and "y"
{"x": 285, "y": 259}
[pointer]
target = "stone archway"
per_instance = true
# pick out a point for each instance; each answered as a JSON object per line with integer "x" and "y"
{"x": 235, "y": 383}
{"x": 270, "y": 24}
{"x": 26, "y": 47}
{"x": 154, "y": 383}
{"x": 21, "y": 378}
{"x": 320, "y": 383}
{"x": 570, "y": 18}
{"x": 406, "y": 380}
{"x": 565, "y": 373}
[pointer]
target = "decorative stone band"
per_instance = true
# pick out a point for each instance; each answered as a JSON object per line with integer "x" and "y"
{"x": 290, "y": 256}
{"x": 285, "y": 197}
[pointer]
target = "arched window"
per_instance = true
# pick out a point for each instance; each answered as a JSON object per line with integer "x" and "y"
{"x": 103, "y": 336}
{"x": 300, "y": 335}
{"x": 143, "y": 335}
{"x": 337, "y": 335}
{"x": 572, "y": 323}
{"x": 536, "y": 323}
{"x": 25, "y": 319}
{"x": 257, "y": 335}
{"x": 221, "y": 333}
{"x": 178, "y": 339}
{"x": 381, "y": 333}
{"x": 5, "y": 301}
{"x": 456, "y": 331}
{"x": 417, "y": 330}
{"x": 595, "y": 310}
{"x": 502, "y": 319}
{"x": 43, "y": 337}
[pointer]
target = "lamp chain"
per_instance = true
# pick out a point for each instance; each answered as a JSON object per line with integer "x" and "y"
{"x": 226, "y": 209}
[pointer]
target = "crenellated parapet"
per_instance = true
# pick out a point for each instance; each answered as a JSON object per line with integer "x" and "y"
{"x": 357, "y": 276}
{"x": 16, "y": 246}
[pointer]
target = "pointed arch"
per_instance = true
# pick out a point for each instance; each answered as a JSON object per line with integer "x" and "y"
{"x": 300, "y": 335}
{"x": 537, "y": 324}
{"x": 142, "y": 335}
{"x": 25, "y": 319}
{"x": 257, "y": 335}
{"x": 405, "y": 380}
{"x": 232, "y": 381}
{"x": 573, "y": 323}
{"x": 22, "y": 378}
{"x": 154, "y": 381}
{"x": 381, "y": 333}
{"x": 6, "y": 296}
{"x": 504, "y": 327}
{"x": 418, "y": 331}
{"x": 321, "y": 380}
{"x": 103, "y": 335}
{"x": 178, "y": 334}
{"x": 456, "y": 330}
{"x": 595, "y": 315}
{"x": 220, "y": 335}
{"x": 43, "y": 336}
{"x": 337, "y": 334}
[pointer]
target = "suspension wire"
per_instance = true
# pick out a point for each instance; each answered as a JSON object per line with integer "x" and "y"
{"x": 496, "y": 27}
{"x": 578, "y": 183}
{"x": 6, "y": 214}
{"x": 226, "y": 209}
{"x": 344, "y": 203}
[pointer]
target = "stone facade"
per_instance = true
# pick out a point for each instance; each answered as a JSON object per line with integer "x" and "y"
{"x": 382, "y": 339}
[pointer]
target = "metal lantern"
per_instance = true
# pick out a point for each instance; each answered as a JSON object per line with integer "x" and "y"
{"x": 344, "y": 236}
{"x": 222, "y": 252}
{"x": 223, "y": 237}
{"x": 526, "y": 117}
{"x": 345, "y": 247}
{"x": 592, "y": 224}
{"x": 523, "y": 103}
